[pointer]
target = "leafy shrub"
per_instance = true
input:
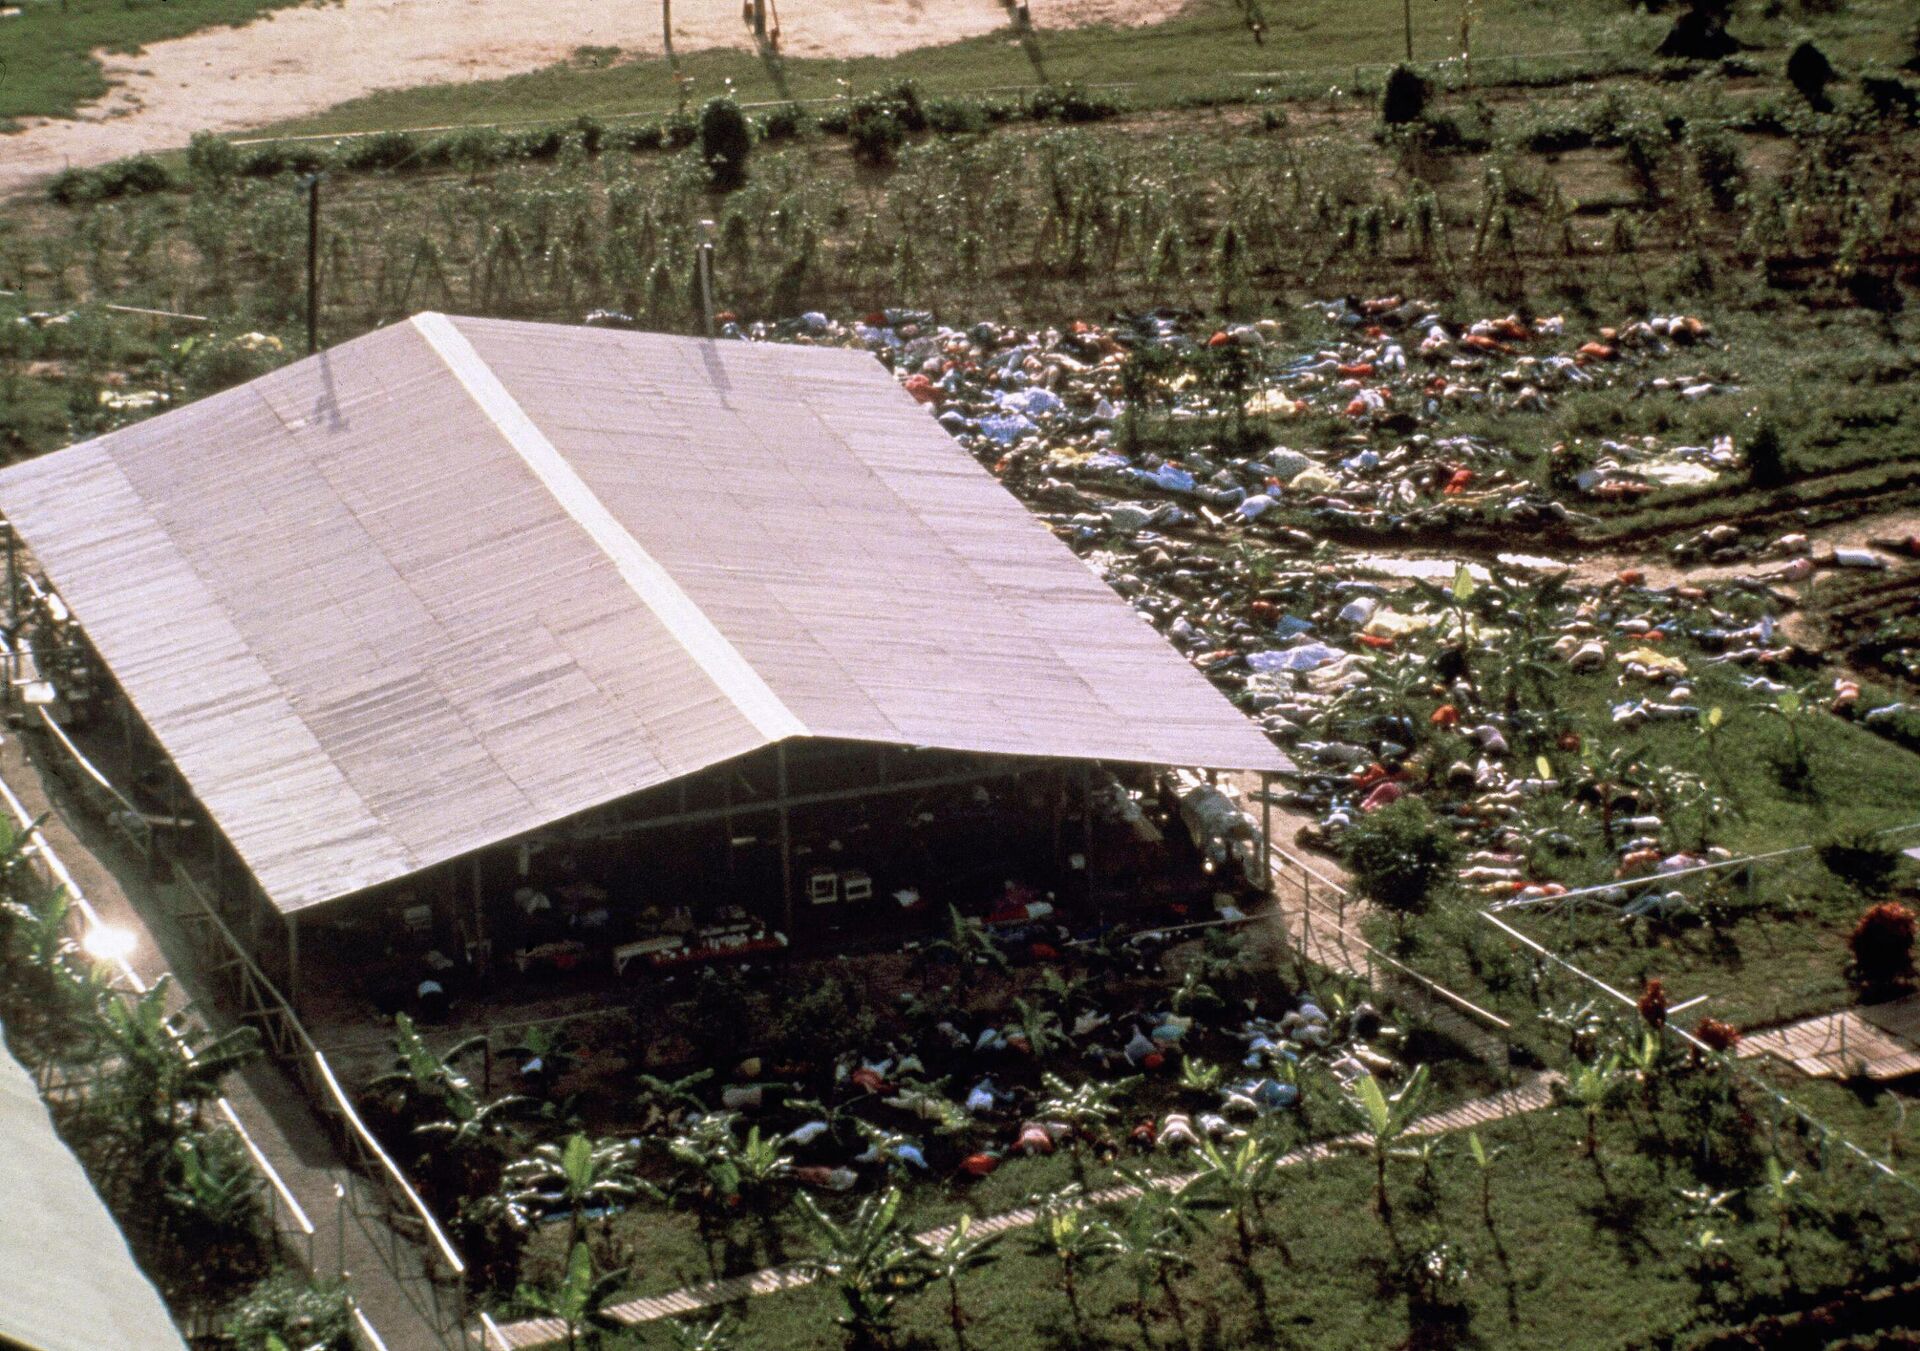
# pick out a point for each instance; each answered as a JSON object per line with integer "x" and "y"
{"x": 211, "y": 364}
{"x": 469, "y": 150}
{"x": 725, "y": 142}
{"x": 679, "y": 131}
{"x": 1861, "y": 861}
{"x": 284, "y": 157}
{"x": 1401, "y": 857}
{"x": 71, "y": 187}
{"x": 905, "y": 99}
{"x": 644, "y": 136}
{"x": 877, "y": 131}
{"x": 1405, "y": 97}
{"x": 539, "y": 143}
{"x": 382, "y": 150}
{"x": 591, "y": 131}
{"x": 1892, "y": 97}
{"x": 1070, "y": 103}
{"x": 1554, "y": 138}
{"x": 139, "y": 174}
{"x": 1716, "y": 158}
{"x": 1809, "y": 71}
{"x": 785, "y": 123}
{"x": 293, "y": 1312}
{"x": 1882, "y": 948}
{"x": 1766, "y": 457}
{"x": 956, "y": 116}
{"x": 212, "y": 159}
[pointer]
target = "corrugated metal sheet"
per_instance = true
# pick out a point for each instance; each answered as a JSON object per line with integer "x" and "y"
{"x": 461, "y": 578}
{"x": 67, "y": 1281}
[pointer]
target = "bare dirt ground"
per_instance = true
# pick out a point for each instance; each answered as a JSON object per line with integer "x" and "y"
{"x": 298, "y": 61}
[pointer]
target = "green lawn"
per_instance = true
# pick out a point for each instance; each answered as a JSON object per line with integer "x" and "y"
{"x": 47, "y": 67}
{"x": 1579, "y": 1253}
{"x": 1206, "y": 51}
{"x": 1761, "y": 957}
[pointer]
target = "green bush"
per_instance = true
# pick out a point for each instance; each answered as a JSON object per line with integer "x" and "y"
{"x": 212, "y": 159}
{"x": 284, "y": 157}
{"x": 130, "y": 177}
{"x": 1716, "y": 158}
{"x": 1401, "y": 857}
{"x": 1070, "y": 103}
{"x": 1862, "y": 861}
{"x": 211, "y": 364}
{"x": 1767, "y": 465}
{"x": 785, "y": 123}
{"x": 382, "y": 150}
{"x": 1809, "y": 71}
{"x": 1405, "y": 97}
{"x": 877, "y": 131}
{"x": 468, "y": 150}
{"x": 956, "y": 116}
{"x": 71, "y": 187}
{"x": 725, "y": 143}
{"x": 295, "y": 1313}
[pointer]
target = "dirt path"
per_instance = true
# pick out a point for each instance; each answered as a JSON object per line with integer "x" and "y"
{"x": 298, "y": 61}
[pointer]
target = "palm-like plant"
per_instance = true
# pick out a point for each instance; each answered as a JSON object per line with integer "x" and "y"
{"x": 213, "y": 1205}
{"x": 1592, "y": 1086}
{"x": 52, "y": 993}
{"x": 870, "y": 1262}
{"x": 580, "y": 1298}
{"x": 1235, "y": 1179}
{"x": 721, "y": 1170}
{"x": 715, "y": 1334}
{"x": 951, "y": 1254}
{"x": 1483, "y": 1157}
{"x": 162, "y": 1078}
{"x": 1075, "y": 1237}
{"x": 421, "y": 1082}
{"x": 1384, "y": 1119}
{"x": 967, "y": 944}
{"x": 579, "y": 1175}
{"x": 1155, "y": 1235}
{"x": 1779, "y": 1186}
{"x": 664, "y": 1099}
{"x": 1085, "y": 1106}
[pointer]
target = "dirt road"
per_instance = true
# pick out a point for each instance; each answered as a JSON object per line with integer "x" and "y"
{"x": 298, "y": 61}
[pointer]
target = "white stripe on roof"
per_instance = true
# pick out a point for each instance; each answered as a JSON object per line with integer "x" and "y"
{"x": 676, "y": 610}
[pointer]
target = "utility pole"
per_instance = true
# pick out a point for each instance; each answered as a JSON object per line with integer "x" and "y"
{"x": 313, "y": 263}
{"x": 705, "y": 263}
{"x": 1407, "y": 8}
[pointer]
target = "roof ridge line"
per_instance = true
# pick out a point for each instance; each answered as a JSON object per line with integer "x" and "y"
{"x": 649, "y": 580}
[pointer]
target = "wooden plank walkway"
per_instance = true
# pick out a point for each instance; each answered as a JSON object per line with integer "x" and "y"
{"x": 1529, "y": 1095}
{"x": 1879, "y": 1041}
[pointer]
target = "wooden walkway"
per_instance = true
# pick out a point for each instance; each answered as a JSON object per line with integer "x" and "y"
{"x": 1530, "y": 1095}
{"x": 1878, "y": 1041}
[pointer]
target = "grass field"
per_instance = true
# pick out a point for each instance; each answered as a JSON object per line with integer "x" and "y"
{"x": 47, "y": 67}
{"x": 1206, "y": 52}
{"x": 1569, "y": 1252}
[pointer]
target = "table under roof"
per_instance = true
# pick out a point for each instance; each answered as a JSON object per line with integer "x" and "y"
{"x": 461, "y": 579}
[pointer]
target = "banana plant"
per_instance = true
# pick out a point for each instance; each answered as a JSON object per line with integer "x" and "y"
{"x": 578, "y": 1174}
{"x": 1075, "y": 1237}
{"x": 1085, "y": 1106}
{"x": 1384, "y": 1119}
{"x": 1234, "y": 1181}
{"x": 663, "y": 1100}
{"x": 162, "y": 1077}
{"x": 870, "y": 1262}
{"x": 579, "y": 1300}
{"x": 1156, "y": 1234}
{"x": 1592, "y": 1086}
{"x": 1483, "y": 1156}
{"x": 951, "y": 1254}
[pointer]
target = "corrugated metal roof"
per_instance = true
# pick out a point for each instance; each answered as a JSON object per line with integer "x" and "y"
{"x": 462, "y": 578}
{"x": 67, "y": 1281}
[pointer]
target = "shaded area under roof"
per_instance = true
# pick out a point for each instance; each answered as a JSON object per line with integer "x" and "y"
{"x": 67, "y": 1281}
{"x": 460, "y": 579}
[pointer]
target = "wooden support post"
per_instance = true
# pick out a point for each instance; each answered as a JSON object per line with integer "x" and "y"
{"x": 1266, "y": 832}
{"x": 293, "y": 962}
{"x": 786, "y": 844}
{"x": 1086, "y": 840}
